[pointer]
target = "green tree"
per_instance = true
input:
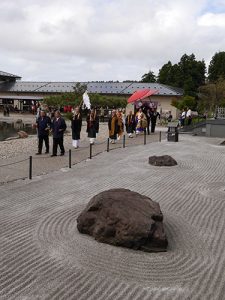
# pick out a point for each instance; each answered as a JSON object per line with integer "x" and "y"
{"x": 79, "y": 90}
{"x": 73, "y": 98}
{"x": 165, "y": 74}
{"x": 61, "y": 100}
{"x": 176, "y": 80}
{"x": 188, "y": 74}
{"x": 148, "y": 77}
{"x": 212, "y": 94}
{"x": 110, "y": 101}
{"x": 96, "y": 100}
{"x": 128, "y": 80}
{"x": 217, "y": 67}
{"x": 192, "y": 73}
{"x": 185, "y": 102}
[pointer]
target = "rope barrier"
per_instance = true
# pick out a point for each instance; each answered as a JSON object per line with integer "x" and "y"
{"x": 16, "y": 162}
{"x": 92, "y": 152}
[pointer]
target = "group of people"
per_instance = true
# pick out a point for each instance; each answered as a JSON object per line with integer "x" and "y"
{"x": 134, "y": 123}
{"x": 57, "y": 126}
{"x": 76, "y": 125}
{"x": 186, "y": 114}
{"x": 115, "y": 126}
{"x": 117, "y": 123}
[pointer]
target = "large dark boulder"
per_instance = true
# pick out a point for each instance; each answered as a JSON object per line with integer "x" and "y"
{"x": 121, "y": 217}
{"x": 164, "y": 160}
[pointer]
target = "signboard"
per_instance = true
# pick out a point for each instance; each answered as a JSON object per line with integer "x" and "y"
{"x": 147, "y": 103}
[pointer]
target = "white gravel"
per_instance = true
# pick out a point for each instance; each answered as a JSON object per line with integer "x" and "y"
{"x": 43, "y": 256}
{"x": 17, "y": 148}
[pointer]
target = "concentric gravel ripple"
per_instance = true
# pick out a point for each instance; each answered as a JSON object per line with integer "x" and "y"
{"x": 44, "y": 257}
{"x": 213, "y": 190}
{"x": 187, "y": 255}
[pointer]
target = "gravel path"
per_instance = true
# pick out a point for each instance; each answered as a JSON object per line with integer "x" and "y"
{"x": 14, "y": 154}
{"x": 44, "y": 257}
{"x": 21, "y": 148}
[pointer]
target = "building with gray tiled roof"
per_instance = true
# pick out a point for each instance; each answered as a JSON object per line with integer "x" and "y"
{"x": 116, "y": 88}
{"x": 13, "y": 89}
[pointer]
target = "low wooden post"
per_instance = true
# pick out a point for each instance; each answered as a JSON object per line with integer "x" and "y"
{"x": 91, "y": 150}
{"x": 108, "y": 145}
{"x": 70, "y": 158}
{"x": 124, "y": 140}
{"x": 30, "y": 167}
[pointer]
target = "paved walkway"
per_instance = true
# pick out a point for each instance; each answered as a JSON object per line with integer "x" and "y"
{"x": 44, "y": 257}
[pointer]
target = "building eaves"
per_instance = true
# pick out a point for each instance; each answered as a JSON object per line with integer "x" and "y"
{"x": 115, "y": 88}
{"x": 8, "y": 75}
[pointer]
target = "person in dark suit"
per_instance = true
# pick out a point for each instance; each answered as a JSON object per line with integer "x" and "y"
{"x": 58, "y": 129}
{"x": 43, "y": 125}
{"x": 154, "y": 115}
{"x": 148, "y": 116}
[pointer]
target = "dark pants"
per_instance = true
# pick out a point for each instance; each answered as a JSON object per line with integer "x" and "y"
{"x": 56, "y": 142}
{"x": 42, "y": 138}
{"x": 153, "y": 127}
{"x": 189, "y": 121}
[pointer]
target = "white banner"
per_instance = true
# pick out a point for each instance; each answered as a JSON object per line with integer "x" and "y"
{"x": 86, "y": 100}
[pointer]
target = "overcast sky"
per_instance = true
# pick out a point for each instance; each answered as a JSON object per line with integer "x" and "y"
{"x": 85, "y": 40}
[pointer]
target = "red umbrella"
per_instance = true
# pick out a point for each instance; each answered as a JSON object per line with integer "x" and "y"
{"x": 141, "y": 94}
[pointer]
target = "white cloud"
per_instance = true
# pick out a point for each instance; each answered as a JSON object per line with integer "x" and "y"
{"x": 212, "y": 20}
{"x": 104, "y": 39}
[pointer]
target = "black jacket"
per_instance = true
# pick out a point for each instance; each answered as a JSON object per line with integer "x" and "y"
{"x": 92, "y": 124}
{"x": 58, "y": 127}
{"x": 42, "y": 124}
{"x": 76, "y": 125}
{"x": 153, "y": 116}
{"x": 132, "y": 123}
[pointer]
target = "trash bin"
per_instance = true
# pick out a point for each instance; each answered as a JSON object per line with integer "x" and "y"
{"x": 172, "y": 133}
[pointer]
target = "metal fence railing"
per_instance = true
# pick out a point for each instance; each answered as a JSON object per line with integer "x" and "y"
{"x": 220, "y": 112}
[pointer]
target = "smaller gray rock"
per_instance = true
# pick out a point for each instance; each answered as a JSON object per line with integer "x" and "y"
{"x": 160, "y": 161}
{"x": 22, "y": 134}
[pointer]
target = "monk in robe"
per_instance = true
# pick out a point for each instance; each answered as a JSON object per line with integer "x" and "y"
{"x": 76, "y": 125}
{"x": 130, "y": 124}
{"x": 120, "y": 123}
{"x": 92, "y": 125}
{"x": 113, "y": 127}
{"x": 141, "y": 122}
